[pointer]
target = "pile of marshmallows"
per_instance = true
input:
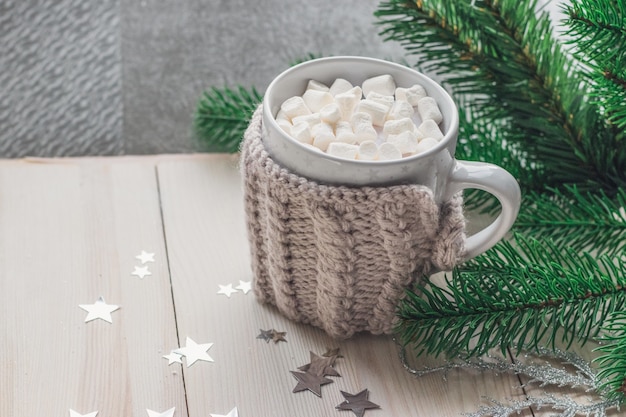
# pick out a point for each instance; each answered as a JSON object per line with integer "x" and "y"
{"x": 380, "y": 127}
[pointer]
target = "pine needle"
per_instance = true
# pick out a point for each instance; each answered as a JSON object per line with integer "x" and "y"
{"x": 581, "y": 221}
{"x": 515, "y": 296}
{"x": 222, "y": 116}
{"x": 612, "y": 364}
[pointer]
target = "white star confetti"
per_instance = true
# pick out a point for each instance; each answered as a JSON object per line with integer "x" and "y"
{"x": 145, "y": 257}
{"x": 99, "y": 310}
{"x": 168, "y": 413}
{"x": 231, "y": 413}
{"x": 244, "y": 286}
{"x": 227, "y": 290}
{"x": 75, "y": 414}
{"x": 141, "y": 271}
{"x": 195, "y": 352}
{"x": 173, "y": 357}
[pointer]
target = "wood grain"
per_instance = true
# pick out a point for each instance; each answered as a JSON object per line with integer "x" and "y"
{"x": 69, "y": 232}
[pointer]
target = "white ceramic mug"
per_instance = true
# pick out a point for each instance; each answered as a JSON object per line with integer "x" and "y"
{"x": 435, "y": 168}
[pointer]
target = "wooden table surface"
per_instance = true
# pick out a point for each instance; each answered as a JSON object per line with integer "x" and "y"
{"x": 69, "y": 233}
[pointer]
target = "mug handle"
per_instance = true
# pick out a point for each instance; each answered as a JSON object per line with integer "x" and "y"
{"x": 496, "y": 181}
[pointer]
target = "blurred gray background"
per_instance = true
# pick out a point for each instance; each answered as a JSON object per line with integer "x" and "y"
{"x": 113, "y": 77}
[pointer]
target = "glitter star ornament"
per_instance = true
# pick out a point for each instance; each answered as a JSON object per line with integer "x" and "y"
{"x": 357, "y": 403}
{"x": 75, "y": 414}
{"x": 194, "y": 352}
{"x": 145, "y": 257}
{"x": 227, "y": 290}
{"x": 99, "y": 310}
{"x": 173, "y": 357}
{"x": 141, "y": 271}
{"x": 168, "y": 413}
{"x": 308, "y": 381}
{"x": 231, "y": 413}
{"x": 244, "y": 286}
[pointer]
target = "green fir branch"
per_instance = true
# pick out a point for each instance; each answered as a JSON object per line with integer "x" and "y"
{"x": 612, "y": 363}
{"x": 582, "y": 221}
{"x": 597, "y": 29}
{"x": 519, "y": 295}
{"x": 501, "y": 61}
{"x": 222, "y": 116}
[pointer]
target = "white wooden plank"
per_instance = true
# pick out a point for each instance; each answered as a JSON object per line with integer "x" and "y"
{"x": 207, "y": 244}
{"x": 69, "y": 231}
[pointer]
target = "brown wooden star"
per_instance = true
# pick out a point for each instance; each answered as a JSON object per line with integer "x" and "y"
{"x": 308, "y": 381}
{"x": 357, "y": 403}
{"x": 320, "y": 365}
{"x": 332, "y": 352}
{"x": 278, "y": 336}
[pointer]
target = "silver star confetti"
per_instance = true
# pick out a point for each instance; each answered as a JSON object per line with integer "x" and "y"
{"x": 75, "y": 414}
{"x": 141, "y": 271}
{"x": 195, "y": 352}
{"x": 244, "y": 286}
{"x": 231, "y": 413}
{"x": 173, "y": 357}
{"x": 145, "y": 257}
{"x": 168, "y": 413}
{"x": 227, "y": 290}
{"x": 99, "y": 310}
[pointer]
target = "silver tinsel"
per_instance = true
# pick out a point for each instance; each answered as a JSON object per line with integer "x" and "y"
{"x": 544, "y": 368}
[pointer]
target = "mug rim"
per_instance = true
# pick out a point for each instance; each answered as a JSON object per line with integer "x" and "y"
{"x": 452, "y": 130}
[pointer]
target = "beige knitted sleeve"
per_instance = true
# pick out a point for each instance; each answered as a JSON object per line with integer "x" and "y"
{"x": 337, "y": 257}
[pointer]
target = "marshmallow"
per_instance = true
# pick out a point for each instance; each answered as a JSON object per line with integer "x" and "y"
{"x": 383, "y": 84}
{"x": 282, "y": 116}
{"x": 330, "y": 113}
{"x": 388, "y": 151}
{"x": 395, "y": 127}
{"x": 429, "y": 129}
{"x": 344, "y": 132}
{"x": 368, "y": 151}
{"x": 429, "y": 109}
{"x": 315, "y": 99}
{"x": 340, "y": 86}
{"x": 376, "y": 110}
{"x": 400, "y": 110}
{"x": 337, "y": 119}
{"x": 311, "y": 119}
{"x": 412, "y": 95}
{"x": 285, "y": 125}
{"x": 386, "y": 101}
{"x": 308, "y": 145}
{"x": 302, "y": 132}
{"x": 283, "y": 121}
{"x": 323, "y": 136}
{"x": 406, "y": 142}
{"x": 426, "y": 144}
{"x": 294, "y": 106}
{"x": 347, "y": 101}
{"x": 316, "y": 85}
{"x": 343, "y": 150}
{"x": 362, "y": 126}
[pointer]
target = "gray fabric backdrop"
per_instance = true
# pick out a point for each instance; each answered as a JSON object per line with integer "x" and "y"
{"x": 113, "y": 77}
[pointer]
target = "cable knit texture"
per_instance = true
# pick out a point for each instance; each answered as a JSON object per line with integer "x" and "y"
{"x": 338, "y": 257}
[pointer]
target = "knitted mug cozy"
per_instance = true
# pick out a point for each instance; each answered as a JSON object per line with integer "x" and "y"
{"x": 340, "y": 258}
